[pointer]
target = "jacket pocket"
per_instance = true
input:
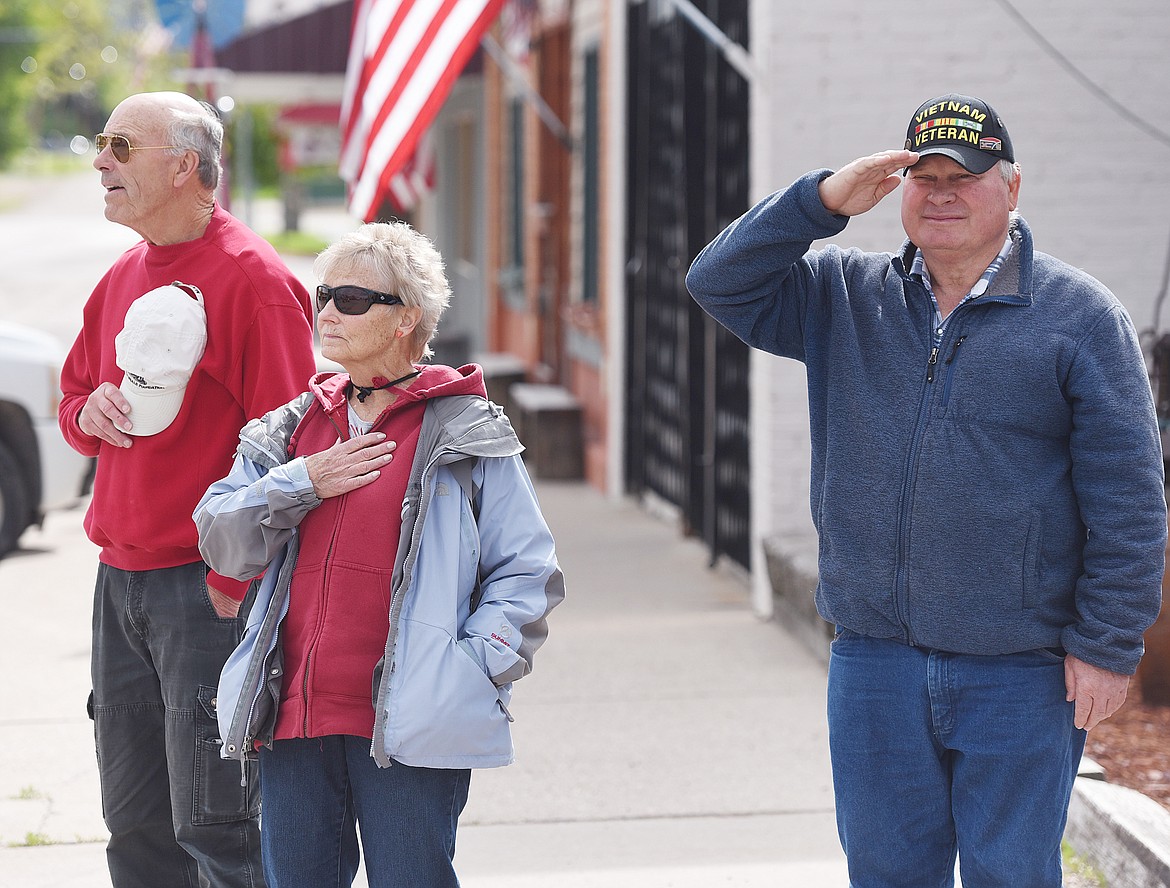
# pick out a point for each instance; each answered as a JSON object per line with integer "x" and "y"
{"x": 1031, "y": 567}
{"x": 973, "y": 585}
{"x": 442, "y": 705}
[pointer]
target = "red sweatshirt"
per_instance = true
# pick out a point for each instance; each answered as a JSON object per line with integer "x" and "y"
{"x": 259, "y": 355}
{"x": 339, "y": 604}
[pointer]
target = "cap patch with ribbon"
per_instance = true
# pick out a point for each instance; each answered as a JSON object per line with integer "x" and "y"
{"x": 963, "y": 128}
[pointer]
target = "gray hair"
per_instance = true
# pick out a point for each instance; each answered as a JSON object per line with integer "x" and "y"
{"x": 1009, "y": 170}
{"x": 403, "y": 262}
{"x": 201, "y": 132}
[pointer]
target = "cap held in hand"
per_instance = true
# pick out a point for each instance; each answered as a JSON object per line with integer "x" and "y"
{"x": 159, "y": 347}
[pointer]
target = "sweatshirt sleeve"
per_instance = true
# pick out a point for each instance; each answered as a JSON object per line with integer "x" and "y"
{"x": 754, "y": 276}
{"x": 278, "y": 358}
{"x": 276, "y": 362}
{"x": 78, "y": 382}
{"x": 1117, "y": 473}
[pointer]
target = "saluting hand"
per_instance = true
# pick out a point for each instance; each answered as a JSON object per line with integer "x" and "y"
{"x": 348, "y": 465}
{"x": 859, "y": 186}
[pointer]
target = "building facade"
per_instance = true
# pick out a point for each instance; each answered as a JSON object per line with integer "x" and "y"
{"x": 663, "y": 128}
{"x": 580, "y": 172}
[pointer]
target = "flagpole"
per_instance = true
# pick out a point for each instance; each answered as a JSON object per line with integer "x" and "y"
{"x": 399, "y": 72}
{"x": 202, "y": 85}
{"x": 738, "y": 57}
{"x": 520, "y": 82}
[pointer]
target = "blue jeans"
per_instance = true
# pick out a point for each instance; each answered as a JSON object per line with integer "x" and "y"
{"x": 178, "y": 814}
{"x": 316, "y": 789}
{"x": 936, "y": 754}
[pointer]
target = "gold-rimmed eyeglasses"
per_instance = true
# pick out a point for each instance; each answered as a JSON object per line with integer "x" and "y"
{"x": 120, "y": 146}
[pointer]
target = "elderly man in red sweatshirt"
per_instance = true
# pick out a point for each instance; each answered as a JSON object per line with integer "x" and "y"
{"x": 193, "y": 331}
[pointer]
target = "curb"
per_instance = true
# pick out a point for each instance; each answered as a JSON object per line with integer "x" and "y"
{"x": 1124, "y": 834}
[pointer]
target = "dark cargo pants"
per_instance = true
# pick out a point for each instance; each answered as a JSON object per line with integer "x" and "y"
{"x": 178, "y": 814}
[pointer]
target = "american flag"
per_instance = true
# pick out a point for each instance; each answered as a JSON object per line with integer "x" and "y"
{"x": 404, "y": 57}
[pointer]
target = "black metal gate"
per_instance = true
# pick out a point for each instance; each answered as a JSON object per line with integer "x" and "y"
{"x": 687, "y": 386}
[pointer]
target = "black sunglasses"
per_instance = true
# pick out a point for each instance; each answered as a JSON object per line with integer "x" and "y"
{"x": 120, "y": 146}
{"x": 351, "y": 299}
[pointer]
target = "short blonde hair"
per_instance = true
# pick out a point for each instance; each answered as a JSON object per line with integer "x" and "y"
{"x": 401, "y": 261}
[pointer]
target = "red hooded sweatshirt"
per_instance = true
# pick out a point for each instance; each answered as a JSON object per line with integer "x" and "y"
{"x": 339, "y": 604}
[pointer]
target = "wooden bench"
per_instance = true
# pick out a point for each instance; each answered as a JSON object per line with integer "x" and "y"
{"x": 548, "y": 420}
{"x": 500, "y": 372}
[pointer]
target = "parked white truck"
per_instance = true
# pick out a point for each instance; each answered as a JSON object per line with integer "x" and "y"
{"x": 38, "y": 470}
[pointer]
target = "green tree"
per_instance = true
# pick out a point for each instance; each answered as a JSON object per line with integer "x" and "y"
{"x": 83, "y": 66}
{"x": 265, "y": 146}
{"x": 19, "y": 38}
{"x": 73, "y": 61}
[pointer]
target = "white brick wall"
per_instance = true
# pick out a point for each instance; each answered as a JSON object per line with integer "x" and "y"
{"x": 841, "y": 79}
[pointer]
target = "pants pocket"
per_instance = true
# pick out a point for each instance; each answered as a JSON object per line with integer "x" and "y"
{"x": 224, "y": 790}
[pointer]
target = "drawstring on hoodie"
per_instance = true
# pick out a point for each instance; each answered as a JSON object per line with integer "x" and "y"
{"x": 364, "y": 391}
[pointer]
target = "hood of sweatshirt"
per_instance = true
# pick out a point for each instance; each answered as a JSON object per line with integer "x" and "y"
{"x": 330, "y": 388}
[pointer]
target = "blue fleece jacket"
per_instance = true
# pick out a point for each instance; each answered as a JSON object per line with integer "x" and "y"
{"x": 999, "y": 492}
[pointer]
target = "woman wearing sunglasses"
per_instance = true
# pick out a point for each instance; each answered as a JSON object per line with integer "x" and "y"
{"x": 407, "y": 577}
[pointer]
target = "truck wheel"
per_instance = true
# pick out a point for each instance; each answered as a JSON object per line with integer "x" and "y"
{"x": 14, "y": 505}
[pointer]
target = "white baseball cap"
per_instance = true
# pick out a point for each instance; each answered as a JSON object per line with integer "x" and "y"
{"x": 162, "y": 340}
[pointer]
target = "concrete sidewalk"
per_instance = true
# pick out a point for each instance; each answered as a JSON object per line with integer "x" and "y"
{"x": 667, "y": 737}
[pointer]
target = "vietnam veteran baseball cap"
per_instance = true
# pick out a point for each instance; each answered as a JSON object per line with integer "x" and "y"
{"x": 161, "y": 342}
{"x": 963, "y": 128}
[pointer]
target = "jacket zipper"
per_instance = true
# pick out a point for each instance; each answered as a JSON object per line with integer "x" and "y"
{"x": 901, "y": 582}
{"x": 930, "y": 363}
{"x": 249, "y": 737}
{"x": 311, "y": 650}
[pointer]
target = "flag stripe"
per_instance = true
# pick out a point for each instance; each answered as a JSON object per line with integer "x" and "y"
{"x": 354, "y": 87}
{"x": 394, "y": 32}
{"x": 411, "y": 46}
{"x": 407, "y": 37}
{"x": 418, "y": 92}
{"x": 416, "y": 178}
{"x": 380, "y": 24}
{"x": 405, "y": 56}
{"x": 419, "y": 98}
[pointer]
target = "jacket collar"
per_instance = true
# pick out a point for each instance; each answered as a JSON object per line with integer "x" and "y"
{"x": 1012, "y": 283}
